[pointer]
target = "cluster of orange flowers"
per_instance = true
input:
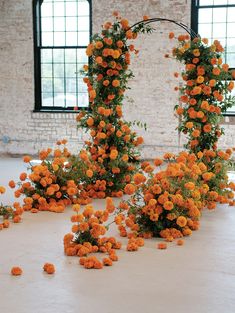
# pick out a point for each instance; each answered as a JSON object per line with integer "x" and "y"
{"x": 49, "y": 268}
{"x": 50, "y": 185}
{"x": 113, "y": 143}
{"x": 88, "y": 236}
{"x": 168, "y": 203}
{"x": 7, "y": 212}
{"x": 206, "y": 93}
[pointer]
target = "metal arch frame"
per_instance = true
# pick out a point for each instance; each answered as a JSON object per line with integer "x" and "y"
{"x": 189, "y": 30}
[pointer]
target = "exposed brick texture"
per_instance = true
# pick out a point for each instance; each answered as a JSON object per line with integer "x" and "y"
{"x": 151, "y": 89}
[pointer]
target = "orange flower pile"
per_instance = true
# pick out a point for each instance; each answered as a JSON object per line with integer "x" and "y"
{"x": 169, "y": 203}
{"x": 113, "y": 143}
{"x": 88, "y": 236}
{"x": 8, "y": 213}
{"x": 52, "y": 184}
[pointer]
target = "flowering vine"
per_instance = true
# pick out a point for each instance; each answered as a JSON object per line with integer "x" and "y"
{"x": 113, "y": 144}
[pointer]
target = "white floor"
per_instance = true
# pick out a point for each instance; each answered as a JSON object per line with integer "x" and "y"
{"x": 196, "y": 278}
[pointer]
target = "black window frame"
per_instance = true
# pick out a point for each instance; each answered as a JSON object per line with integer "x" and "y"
{"x": 195, "y": 7}
{"x": 38, "y": 107}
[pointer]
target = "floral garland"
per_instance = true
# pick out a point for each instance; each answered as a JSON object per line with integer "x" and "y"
{"x": 206, "y": 92}
{"x": 112, "y": 148}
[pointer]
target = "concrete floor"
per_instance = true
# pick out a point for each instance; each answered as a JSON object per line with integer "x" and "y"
{"x": 197, "y": 278}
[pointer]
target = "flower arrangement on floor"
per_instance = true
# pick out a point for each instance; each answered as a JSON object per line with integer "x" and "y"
{"x": 113, "y": 144}
{"x": 88, "y": 236}
{"x": 50, "y": 185}
{"x": 168, "y": 203}
{"x": 9, "y": 213}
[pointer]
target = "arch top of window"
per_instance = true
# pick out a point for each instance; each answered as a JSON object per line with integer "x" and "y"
{"x": 64, "y": 23}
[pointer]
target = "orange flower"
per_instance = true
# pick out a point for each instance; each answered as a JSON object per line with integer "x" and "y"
{"x": 129, "y": 189}
{"x": 181, "y": 221}
{"x": 171, "y": 35}
{"x": 207, "y": 128}
{"x": 27, "y": 159}
{"x": 16, "y": 271}
{"x": 216, "y": 71}
{"x": 189, "y": 185}
{"x": 115, "y": 83}
{"x": 168, "y": 205}
{"x": 113, "y": 154}
{"x": 124, "y": 23}
{"x": 90, "y": 121}
{"x": 189, "y": 125}
{"x": 49, "y": 268}
{"x": 180, "y": 242}
{"x": 11, "y": 184}
{"x": 99, "y": 45}
{"x": 162, "y": 246}
{"x": 89, "y": 173}
{"x": 2, "y": 189}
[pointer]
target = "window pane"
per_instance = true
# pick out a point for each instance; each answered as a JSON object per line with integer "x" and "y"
{"x": 83, "y": 23}
{"x": 46, "y": 70}
{"x": 58, "y": 85}
{"x": 59, "y": 38}
{"x": 231, "y": 2}
{"x": 219, "y": 30}
{"x": 83, "y": 8}
{"x": 205, "y": 16}
{"x": 219, "y": 15}
{"x": 47, "y": 38}
{"x": 71, "y": 85}
{"x": 71, "y": 8}
{"x": 70, "y": 100}
{"x": 47, "y": 85}
{"x": 47, "y": 24}
{"x": 58, "y": 55}
{"x": 205, "y": 2}
{"x": 47, "y": 99}
{"x": 231, "y": 14}
{"x": 59, "y": 24}
{"x": 81, "y": 56}
{"x": 71, "y": 24}
{"x": 46, "y": 9}
{"x": 59, "y": 100}
{"x": 59, "y": 9}
{"x": 83, "y": 100}
{"x": 220, "y": 2}
{"x": 70, "y": 70}
{"x": 70, "y": 56}
{"x": 83, "y": 38}
{"x": 71, "y": 39}
{"x": 231, "y": 30}
{"x": 205, "y": 30}
{"x": 231, "y": 59}
{"x": 58, "y": 69}
{"x": 46, "y": 55}
{"x": 231, "y": 45}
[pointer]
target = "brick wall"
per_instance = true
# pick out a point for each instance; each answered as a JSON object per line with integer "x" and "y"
{"x": 23, "y": 131}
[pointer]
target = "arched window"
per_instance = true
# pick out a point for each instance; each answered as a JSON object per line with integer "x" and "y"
{"x": 62, "y": 31}
{"x": 215, "y": 19}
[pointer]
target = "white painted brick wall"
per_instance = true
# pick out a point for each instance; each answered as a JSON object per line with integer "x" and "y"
{"x": 152, "y": 87}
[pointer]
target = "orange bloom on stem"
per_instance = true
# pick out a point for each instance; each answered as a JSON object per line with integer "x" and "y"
{"x": 16, "y": 271}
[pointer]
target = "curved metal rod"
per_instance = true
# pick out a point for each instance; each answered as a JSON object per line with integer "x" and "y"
{"x": 190, "y": 31}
